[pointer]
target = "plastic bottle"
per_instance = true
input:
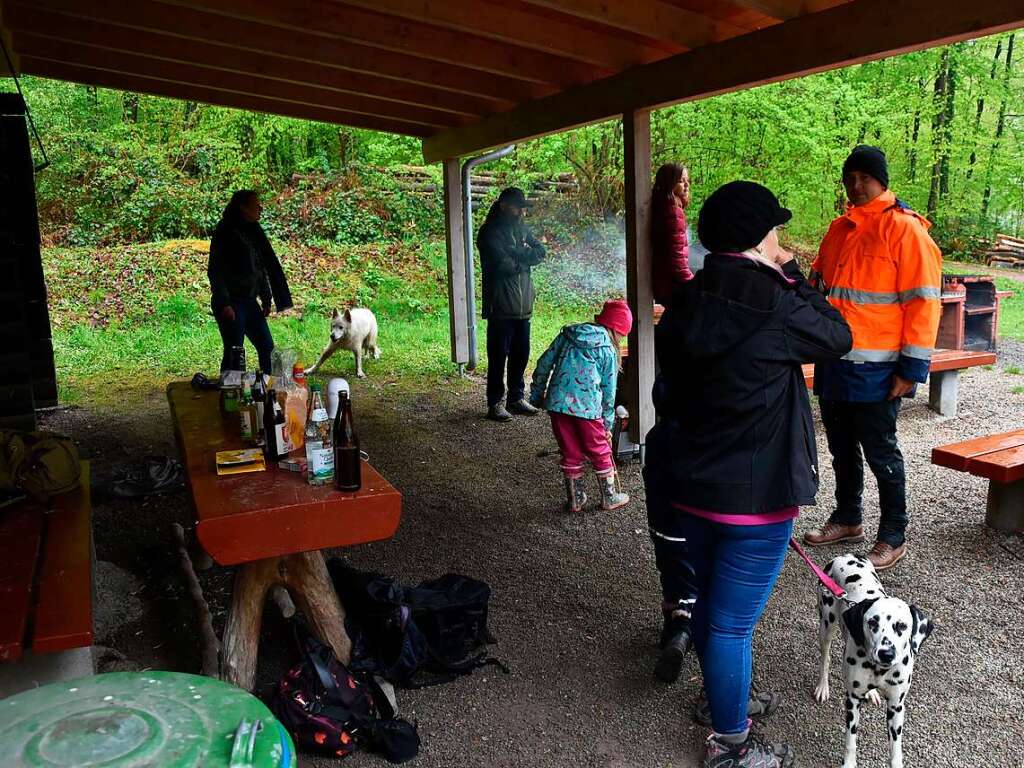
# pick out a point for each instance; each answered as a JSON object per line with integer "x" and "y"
{"x": 319, "y": 442}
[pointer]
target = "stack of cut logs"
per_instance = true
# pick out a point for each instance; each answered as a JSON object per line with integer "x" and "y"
{"x": 417, "y": 181}
{"x": 1007, "y": 251}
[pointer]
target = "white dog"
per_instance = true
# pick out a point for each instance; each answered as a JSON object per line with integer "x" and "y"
{"x": 883, "y": 636}
{"x": 355, "y": 330}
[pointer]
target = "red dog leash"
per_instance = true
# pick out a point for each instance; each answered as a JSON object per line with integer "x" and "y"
{"x": 823, "y": 577}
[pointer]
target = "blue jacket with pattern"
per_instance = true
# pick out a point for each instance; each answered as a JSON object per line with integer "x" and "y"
{"x": 578, "y": 374}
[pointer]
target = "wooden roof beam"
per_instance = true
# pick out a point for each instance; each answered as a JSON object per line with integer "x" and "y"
{"x": 75, "y": 54}
{"x": 259, "y": 40}
{"x": 344, "y": 22}
{"x": 220, "y": 98}
{"x": 55, "y": 26}
{"x": 776, "y": 9}
{"x": 848, "y": 34}
{"x": 651, "y": 18}
{"x": 510, "y": 25}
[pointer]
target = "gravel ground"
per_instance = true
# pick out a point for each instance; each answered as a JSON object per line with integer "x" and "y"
{"x": 575, "y": 605}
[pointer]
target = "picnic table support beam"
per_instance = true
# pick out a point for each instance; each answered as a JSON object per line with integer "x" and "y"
{"x": 1005, "y": 508}
{"x": 458, "y": 300}
{"x": 636, "y": 127}
{"x": 306, "y": 578}
{"x": 943, "y": 387}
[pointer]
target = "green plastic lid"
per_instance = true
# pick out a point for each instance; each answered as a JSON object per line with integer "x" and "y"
{"x": 137, "y": 720}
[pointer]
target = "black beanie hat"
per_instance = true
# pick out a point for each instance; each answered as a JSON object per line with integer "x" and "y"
{"x": 738, "y": 216}
{"x": 869, "y": 160}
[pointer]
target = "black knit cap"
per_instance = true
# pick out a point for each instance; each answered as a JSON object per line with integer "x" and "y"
{"x": 514, "y": 196}
{"x": 738, "y": 216}
{"x": 869, "y": 160}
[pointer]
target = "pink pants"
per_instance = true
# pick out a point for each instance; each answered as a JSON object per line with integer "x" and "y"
{"x": 581, "y": 440}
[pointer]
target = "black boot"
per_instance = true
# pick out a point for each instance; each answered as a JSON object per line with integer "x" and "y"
{"x": 675, "y": 644}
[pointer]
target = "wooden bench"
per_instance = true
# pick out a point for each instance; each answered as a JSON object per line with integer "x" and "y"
{"x": 943, "y": 377}
{"x": 273, "y": 525}
{"x": 1000, "y": 458}
{"x": 46, "y": 576}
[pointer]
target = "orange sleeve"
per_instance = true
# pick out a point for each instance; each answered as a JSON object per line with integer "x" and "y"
{"x": 919, "y": 285}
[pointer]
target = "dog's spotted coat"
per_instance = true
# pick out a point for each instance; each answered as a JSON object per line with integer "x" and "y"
{"x": 882, "y": 637}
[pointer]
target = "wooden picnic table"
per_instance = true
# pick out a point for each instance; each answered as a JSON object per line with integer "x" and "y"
{"x": 273, "y": 525}
{"x": 1000, "y": 458}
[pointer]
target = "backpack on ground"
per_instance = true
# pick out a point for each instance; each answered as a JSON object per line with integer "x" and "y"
{"x": 331, "y": 711}
{"x": 42, "y": 464}
{"x": 415, "y": 636}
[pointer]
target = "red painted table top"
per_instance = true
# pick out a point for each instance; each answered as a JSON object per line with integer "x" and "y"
{"x": 997, "y": 457}
{"x": 258, "y": 515}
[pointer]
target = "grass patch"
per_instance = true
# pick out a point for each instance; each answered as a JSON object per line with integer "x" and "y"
{"x": 1017, "y": 390}
{"x": 148, "y": 322}
{"x": 1013, "y": 370}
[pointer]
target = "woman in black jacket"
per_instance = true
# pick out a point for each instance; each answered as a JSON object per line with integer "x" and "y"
{"x": 243, "y": 268}
{"x": 734, "y": 450}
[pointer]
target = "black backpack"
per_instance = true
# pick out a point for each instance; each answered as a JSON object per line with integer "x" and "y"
{"x": 415, "y": 636}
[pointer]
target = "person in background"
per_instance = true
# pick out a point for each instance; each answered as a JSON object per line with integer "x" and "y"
{"x": 883, "y": 272}
{"x": 575, "y": 382}
{"x": 670, "y": 251}
{"x": 244, "y": 274}
{"x": 508, "y": 251}
{"x": 669, "y": 241}
{"x": 735, "y": 443}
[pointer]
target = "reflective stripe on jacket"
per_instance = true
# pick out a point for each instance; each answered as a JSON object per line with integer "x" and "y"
{"x": 883, "y": 272}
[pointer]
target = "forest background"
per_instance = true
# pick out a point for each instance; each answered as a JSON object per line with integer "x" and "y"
{"x": 136, "y": 184}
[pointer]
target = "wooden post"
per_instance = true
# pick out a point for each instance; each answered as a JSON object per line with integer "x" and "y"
{"x": 636, "y": 127}
{"x": 454, "y": 225}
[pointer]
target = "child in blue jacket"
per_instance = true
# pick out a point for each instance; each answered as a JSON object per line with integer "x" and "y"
{"x": 575, "y": 382}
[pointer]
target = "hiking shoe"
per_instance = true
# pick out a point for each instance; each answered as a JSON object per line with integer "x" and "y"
{"x": 755, "y": 752}
{"x": 669, "y": 665}
{"x": 760, "y": 706}
{"x": 498, "y": 413}
{"x": 156, "y": 475}
{"x": 833, "y": 533}
{"x": 522, "y": 408}
{"x": 884, "y": 556}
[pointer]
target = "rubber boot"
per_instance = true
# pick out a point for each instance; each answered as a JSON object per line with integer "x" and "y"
{"x": 610, "y": 498}
{"x": 575, "y": 497}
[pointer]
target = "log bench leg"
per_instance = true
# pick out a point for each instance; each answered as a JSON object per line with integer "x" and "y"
{"x": 1005, "y": 510}
{"x": 305, "y": 576}
{"x": 942, "y": 392}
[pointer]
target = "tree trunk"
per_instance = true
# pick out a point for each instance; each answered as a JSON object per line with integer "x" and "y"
{"x": 940, "y": 102}
{"x": 981, "y": 111}
{"x": 130, "y": 107}
{"x": 191, "y": 111}
{"x": 913, "y": 138}
{"x": 947, "y": 138}
{"x": 1000, "y": 126}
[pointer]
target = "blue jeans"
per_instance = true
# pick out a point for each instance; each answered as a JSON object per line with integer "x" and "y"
{"x": 736, "y": 567}
{"x": 249, "y": 321}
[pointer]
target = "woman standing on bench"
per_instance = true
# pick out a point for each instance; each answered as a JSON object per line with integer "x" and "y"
{"x": 735, "y": 443}
{"x": 243, "y": 268}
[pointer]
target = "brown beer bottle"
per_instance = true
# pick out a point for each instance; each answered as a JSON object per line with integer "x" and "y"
{"x": 274, "y": 428}
{"x": 348, "y": 470}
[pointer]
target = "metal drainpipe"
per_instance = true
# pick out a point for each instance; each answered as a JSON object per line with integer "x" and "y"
{"x": 467, "y": 206}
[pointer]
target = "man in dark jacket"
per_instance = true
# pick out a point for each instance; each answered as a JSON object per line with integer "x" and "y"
{"x": 243, "y": 268}
{"x": 508, "y": 251}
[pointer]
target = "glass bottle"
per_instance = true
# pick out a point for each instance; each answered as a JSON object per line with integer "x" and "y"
{"x": 348, "y": 471}
{"x": 319, "y": 443}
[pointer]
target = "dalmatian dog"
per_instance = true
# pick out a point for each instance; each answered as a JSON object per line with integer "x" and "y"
{"x": 883, "y": 636}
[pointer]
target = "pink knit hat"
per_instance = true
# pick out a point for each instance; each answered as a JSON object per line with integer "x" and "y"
{"x": 617, "y": 316}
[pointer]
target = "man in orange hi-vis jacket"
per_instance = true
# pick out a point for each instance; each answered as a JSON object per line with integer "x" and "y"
{"x": 883, "y": 272}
